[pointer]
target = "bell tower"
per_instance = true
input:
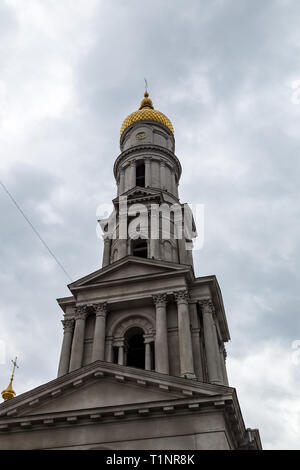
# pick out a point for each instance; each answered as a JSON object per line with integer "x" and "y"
{"x": 143, "y": 359}
{"x": 160, "y": 317}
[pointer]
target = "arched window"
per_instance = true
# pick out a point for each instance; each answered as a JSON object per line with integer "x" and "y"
{"x": 135, "y": 348}
{"x": 133, "y": 342}
{"x": 140, "y": 174}
{"x": 140, "y": 248}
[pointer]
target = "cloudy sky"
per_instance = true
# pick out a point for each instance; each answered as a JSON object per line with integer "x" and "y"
{"x": 227, "y": 74}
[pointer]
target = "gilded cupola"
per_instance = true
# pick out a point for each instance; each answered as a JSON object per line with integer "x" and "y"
{"x": 9, "y": 392}
{"x": 146, "y": 112}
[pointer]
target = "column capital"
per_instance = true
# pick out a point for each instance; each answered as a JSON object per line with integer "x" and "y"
{"x": 182, "y": 296}
{"x": 68, "y": 325}
{"x": 207, "y": 306}
{"x": 160, "y": 300}
{"x": 148, "y": 338}
{"x": 119, "y": 342}
{"x": 81, "y": 312}
{"x": 100, "y": 309}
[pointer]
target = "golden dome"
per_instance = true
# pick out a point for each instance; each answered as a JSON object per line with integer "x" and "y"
{"x": 8, "y": 393}
{"x": 146, "y": 113}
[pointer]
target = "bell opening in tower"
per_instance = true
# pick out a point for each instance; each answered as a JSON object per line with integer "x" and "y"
{"x": 140, "y": 248}
{"x": 135, "y": 348}
{"x": 140, "y": 174}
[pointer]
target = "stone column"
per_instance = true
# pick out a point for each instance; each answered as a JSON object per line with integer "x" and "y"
{"x": 161, "y": 337}
{"x": 109, "y": 349}
{"x": 120, "y": 344}
{"x": 177, "y": 191}
{"x": 99, "y": 335}
{"x": 133, "y": 173}
{"x": 122, "y": 181}
{"x": 173, "y": 182}
{"x": 121, "y": 355}
{"x": 184, "y": 335}
{"x": 64, "y": 361}
{"x": 154, "y": 232}
{"x": 148, "y": 176}
{"x": 162, "y": 175}
{"x": 106, "y": 251}
{"x": 211, "y": 343}
{"x": 147, "y": 356}
{"x": 78, "y": 338}
{"x": 122, "y": 252}
{"x": 148, "y": 340}
{"x": 197, "y": 353}
{"x": 154, "y": 248}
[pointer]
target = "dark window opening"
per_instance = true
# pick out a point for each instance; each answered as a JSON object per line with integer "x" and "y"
{"x": 140, "y": 174}
{"x": 152, "y": 356}
{"x": 140, "y": 248}
{"x": 135, "y": 348}
{"x": 115, "y": 355}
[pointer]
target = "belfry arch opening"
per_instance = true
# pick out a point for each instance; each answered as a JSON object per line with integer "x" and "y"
{"x": 140, "y": 248}
{"x": 135, "y": 348}
{"x": 140, "y": 174}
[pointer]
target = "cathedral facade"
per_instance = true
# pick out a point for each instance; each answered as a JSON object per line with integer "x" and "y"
{"x": 143, "y": 359}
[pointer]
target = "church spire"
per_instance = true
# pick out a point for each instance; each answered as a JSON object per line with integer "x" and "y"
{"x": 9, "y": 392}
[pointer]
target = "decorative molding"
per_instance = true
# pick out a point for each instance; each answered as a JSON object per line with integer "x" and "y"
{"x": 132, "y": 322}
{"x": 81, "y": 312}
{"x": 207, "y": 306}
{"x": 100, "y": 309}
{"x": 68, "y": 325}
{"x": 182, "y": 296}
{"x": 145, "y": 148}
{"x": 160, "y": 300}
{"x": 148, "y": 338}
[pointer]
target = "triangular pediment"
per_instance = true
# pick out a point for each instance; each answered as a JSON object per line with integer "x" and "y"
{"x": 128, "y": 267}
{"x": 100, "y": 393}
{"x": 140, "y": 193}
{"x": 103, "y": 385}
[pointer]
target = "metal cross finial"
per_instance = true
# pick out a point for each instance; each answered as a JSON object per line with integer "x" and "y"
{"x": 15, "y": 365}
{"x": 146, "y": 86}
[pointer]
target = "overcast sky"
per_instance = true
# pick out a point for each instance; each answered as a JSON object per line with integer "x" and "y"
{"x": 227, "y": 74}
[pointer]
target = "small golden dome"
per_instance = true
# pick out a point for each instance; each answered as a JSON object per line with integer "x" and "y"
{"x": 8, "y": 393}
{"x": 146, "y": 113}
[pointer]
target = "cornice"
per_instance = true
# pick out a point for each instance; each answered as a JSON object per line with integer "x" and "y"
{"x": 196, "y": 397}
{"x": 146, "y": 122}
{"x": 139, "y": 148}
{"x": 109, "y": 414}
{"x": 100, "y": 369}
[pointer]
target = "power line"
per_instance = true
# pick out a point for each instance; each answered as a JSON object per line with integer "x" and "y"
{"x": 35, "y": 230}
